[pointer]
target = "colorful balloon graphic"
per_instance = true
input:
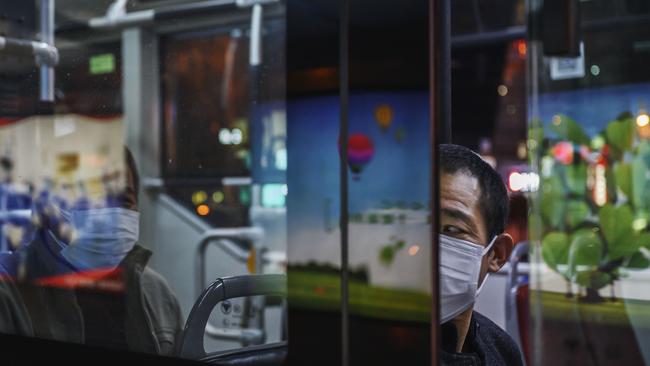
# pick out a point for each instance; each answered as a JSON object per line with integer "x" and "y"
{"x": 384, "y": 116}
{"x": 360, "y": 152}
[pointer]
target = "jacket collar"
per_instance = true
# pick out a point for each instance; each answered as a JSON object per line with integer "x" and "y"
{"x": 474, "y": 353}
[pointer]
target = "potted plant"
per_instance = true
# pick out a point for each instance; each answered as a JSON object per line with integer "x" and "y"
{"x": 594, "y": 200}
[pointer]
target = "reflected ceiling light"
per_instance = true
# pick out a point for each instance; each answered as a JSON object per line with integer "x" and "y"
{"x": 642, "y": 120}
{"x": 521, "y": 48}
{"x": 231, "y": 137}
{"x": 515, "y": 181}
{"x": 639, "y": 224}
{"x": 521, "y": 150}
{"x": 414, "y": 249}
{"x": 203, "y": 210}
{"x": 218, "y": 197}
{"x": 523, "y": 182}
{"x": 557, "y": 120}
{"x": 597, "y": 142}
{"x": 502, "y": 90}
{"x": 600, "y": 186}
{"x": 595, "y": 70}
{"x": 236, "y": 136}
{"x": 199, "y": 197}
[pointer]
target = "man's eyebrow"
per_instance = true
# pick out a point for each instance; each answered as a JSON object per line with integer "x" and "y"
{"x": 460, "y": 215}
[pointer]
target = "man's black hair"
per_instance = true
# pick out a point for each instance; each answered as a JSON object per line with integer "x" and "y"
{"x": 493, "y": 202}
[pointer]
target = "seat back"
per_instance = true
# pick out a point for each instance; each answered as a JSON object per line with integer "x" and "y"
{"x": 191, "y": 342}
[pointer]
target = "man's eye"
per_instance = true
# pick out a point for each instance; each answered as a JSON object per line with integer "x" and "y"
{"x": 451, "y": 229}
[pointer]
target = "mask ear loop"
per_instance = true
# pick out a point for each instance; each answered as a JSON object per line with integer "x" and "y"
{"x": 486, "y": 251}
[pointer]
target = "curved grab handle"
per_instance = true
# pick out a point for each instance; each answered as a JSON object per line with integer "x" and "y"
{"x": 191, "y": 343}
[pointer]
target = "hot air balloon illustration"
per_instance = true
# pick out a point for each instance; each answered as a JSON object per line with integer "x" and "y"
{"x": 384, "y": 116}
{"x": 360, "y": 152}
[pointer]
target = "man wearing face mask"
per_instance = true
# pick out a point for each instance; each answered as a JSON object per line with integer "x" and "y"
{"x": 84, "y": 279}
{"x": 473, "y": 213}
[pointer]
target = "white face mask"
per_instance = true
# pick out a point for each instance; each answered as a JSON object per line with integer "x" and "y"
{"x": 102, "y": 237}
{"x": 460, "y": 267}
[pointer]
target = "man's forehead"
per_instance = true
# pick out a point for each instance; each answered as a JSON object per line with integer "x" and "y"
{"x": 460, "y": 186}
{"x": 460, "y": 195}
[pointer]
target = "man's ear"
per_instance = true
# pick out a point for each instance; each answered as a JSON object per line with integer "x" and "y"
{"x": 500, "y": 252}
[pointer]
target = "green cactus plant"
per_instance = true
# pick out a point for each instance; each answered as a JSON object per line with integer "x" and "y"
{"x": 594, "y": 201}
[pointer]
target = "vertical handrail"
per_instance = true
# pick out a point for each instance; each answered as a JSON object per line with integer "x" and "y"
{"x": 229, "y": 240}
{"x": 344, "y": 28}
{"x": 513, "y": 282}
{"x": 47, "y": 37}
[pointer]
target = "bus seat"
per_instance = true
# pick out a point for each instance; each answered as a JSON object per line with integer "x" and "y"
{"x": 191, "y": 341}
{"x": 264, "y": 355}
{"x": 517, "y": 298}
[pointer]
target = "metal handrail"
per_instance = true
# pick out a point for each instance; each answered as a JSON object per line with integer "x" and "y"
{"x": 513, "y": 282}
{"x": 45, "y": 54}
{"x": 237, "y": 242}
{"x": 119, "y": 18}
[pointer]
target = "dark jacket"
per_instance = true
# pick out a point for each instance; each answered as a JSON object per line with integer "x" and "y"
{"x": 486, "y": 345}
{"x": 151, "y": 314}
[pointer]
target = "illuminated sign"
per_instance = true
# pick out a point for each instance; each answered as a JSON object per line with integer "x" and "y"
{"x": 102, "y": 64}
{"x": 274, "y": 195}
{"x": 523, "y": 182}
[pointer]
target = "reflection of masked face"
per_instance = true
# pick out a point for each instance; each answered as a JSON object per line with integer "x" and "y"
{"x": 101, "y": 237}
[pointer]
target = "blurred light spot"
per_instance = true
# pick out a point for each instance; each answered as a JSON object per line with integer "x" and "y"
{"x": 502, "y": 90}
{"x": 218, "y": 197}
{"x": 199, "y": 197}
{"x": 598, "y": 142}
{"x": 236, "y": 136}
{"x": 203, "y": 210}
{"x": 524, "y": 182}
{"x": 557, "y": 120}
{"x": 231, "y": 137}
{"x": 521, "y": 150}
{"x": 642, "y": 120}
{"x": 515, "y": 181}
{"x": 595, "y": 70}
{"x": 600, "y": 189}
{"x": 521, "y": 48}
{"x": 639, "y": 224}
{"x": 281, "y": 159}
{"x": 224, "y": 136}
{"x": 274, "y": 195}
{"x": 414, "y": 249}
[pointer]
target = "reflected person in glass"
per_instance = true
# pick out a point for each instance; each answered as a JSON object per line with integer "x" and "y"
{"x": 83, "y": 278}
{"x": 472, "y": 243}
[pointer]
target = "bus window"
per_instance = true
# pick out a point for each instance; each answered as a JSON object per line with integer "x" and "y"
{"x": 143, "y": 176}
{"x": 588, "y": 144}
{"x": 485, "y": 182}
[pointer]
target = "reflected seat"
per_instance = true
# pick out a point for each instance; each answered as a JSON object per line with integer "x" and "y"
{"x": 191, "y": 343}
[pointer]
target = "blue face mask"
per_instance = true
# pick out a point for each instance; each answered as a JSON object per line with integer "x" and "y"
{"x": 101, "y": 237}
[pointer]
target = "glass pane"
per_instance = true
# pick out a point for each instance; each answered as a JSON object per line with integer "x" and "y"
{"x": 389, "y": 168}
{"x": 484, "y": 180}
{"x": 588, "y": 142}
{"x": 143, "y": 207}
